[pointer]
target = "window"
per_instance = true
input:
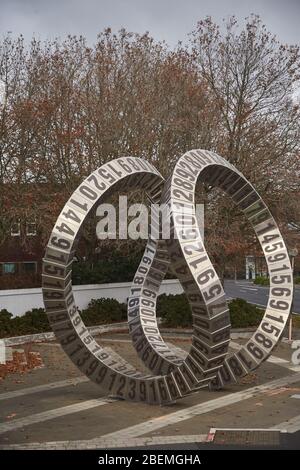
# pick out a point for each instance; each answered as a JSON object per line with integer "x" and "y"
{"x": 31, "y": 228}
{"x": 29, "y": 267}
{"x": 15, "y": 229}
{"x": 9, "y": 268}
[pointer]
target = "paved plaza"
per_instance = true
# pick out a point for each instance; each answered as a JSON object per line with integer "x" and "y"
{"x": 54, "y": 407}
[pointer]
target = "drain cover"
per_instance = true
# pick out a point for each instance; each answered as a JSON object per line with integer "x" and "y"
{"x": 246, "y": 437}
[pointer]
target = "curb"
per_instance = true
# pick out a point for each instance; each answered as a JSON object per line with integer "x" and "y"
{"x": 49, "y": 336}
{"x": 112, "y": 327}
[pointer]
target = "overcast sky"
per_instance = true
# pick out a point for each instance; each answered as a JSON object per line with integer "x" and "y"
{"x": 164, "y": 19}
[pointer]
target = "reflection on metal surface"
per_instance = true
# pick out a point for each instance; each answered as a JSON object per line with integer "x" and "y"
{"x": 177, "y": 373}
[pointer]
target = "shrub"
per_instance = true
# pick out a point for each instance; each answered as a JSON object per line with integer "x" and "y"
{"x": 244, "y": 314}
{"x": 297, "y": 280}
{"x": 5, "y": 323}
{"x": 101, "y": 311}
{"x": 116, "y": 269}
{"x": 262, "y": 281}
{"x": 33, "y": 321}
{"x": 296, "y": 321}
{"x": 174, "y": 311}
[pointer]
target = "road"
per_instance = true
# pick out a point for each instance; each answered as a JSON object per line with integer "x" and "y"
{"x": 255, "y": 294}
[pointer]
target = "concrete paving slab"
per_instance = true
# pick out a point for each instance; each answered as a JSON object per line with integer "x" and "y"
{"x": 59, "y": 386}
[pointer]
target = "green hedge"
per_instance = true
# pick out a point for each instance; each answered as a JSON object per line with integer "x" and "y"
{"x": 244, "y": 314}
{"x": 100, "y": 311}
{"x": 120, "y": 269}
{"x": 265, "y": 281}
{"x": 33, "y": 321}
{"x": 173, "y": 310}
{"x": 262, "y": 281}
{"x": 116, "y": 269}
{"x": 103, "y": 311}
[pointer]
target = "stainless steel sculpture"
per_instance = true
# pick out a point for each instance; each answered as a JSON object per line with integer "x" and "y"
{"x": 177, "y": 373}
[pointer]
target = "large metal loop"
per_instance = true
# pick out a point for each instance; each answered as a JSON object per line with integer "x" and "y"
{"x": 191, "y": 264}
{"x": 178, "y": 372}
{"x": 103, "y": 366}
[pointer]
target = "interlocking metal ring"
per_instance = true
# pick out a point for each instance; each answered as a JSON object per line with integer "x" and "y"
{"x": 177, "y": 373}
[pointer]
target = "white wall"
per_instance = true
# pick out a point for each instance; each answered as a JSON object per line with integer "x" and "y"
{"x": 19, "y": 301}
